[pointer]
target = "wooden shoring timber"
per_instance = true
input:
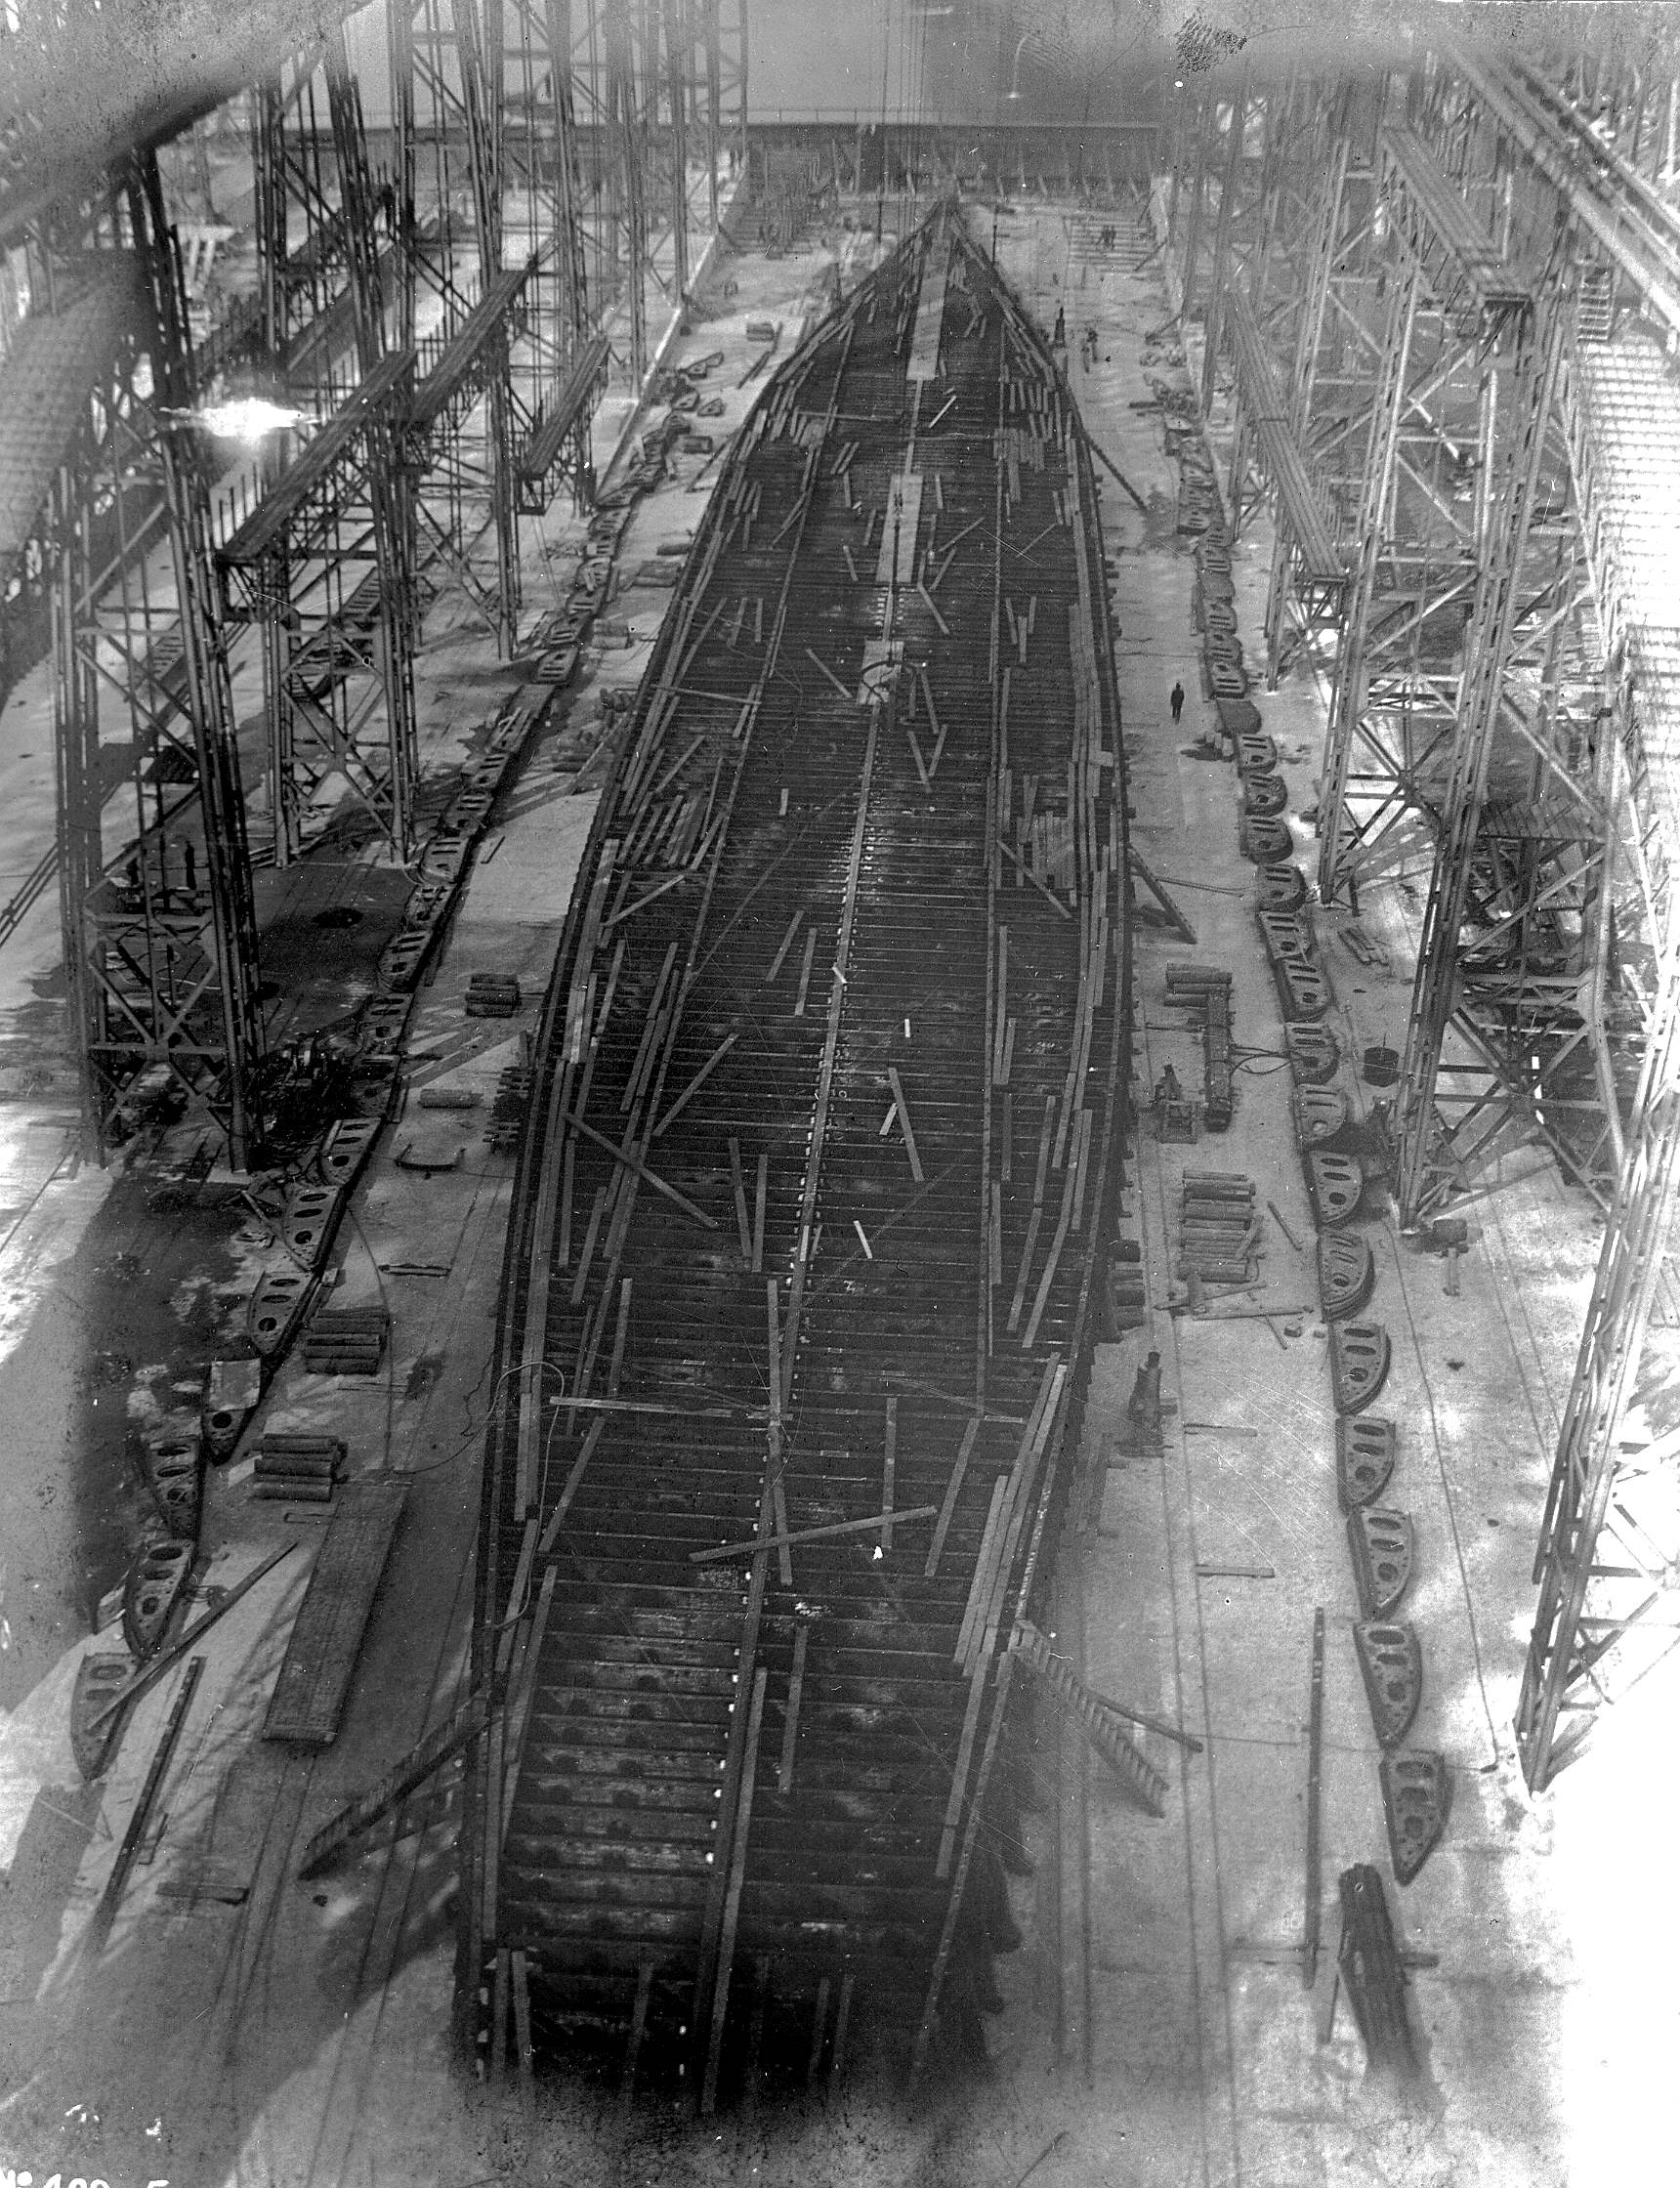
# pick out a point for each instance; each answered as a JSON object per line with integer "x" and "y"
{"x": 776, "y": 963}
{"x": 976, "y": 1679}
{"x": 953, "y": 1489}
{"x": 1023, "y": 1487}
{"x": 695, "y": 1084}
{"x": 1064, "y": 1222}
{"x": 824, "y": 1533}
{"x": 1036, "y": 1215}
{"x": 651, "y": 1029}
{"x": 1008, "y": 1502}
{"x": 637, "y": 1168}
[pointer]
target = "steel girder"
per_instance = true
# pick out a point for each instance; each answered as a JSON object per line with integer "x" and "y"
{"x": 1509, "y": 1022}
{"x": 160, "y": 938}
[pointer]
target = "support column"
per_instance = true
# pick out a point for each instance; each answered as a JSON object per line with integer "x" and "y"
{"x": 1424, "y": 1163}
{"x": 1340, "y": 833}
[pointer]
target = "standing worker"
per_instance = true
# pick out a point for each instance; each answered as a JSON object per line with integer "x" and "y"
{"x": 1177, "y": 701}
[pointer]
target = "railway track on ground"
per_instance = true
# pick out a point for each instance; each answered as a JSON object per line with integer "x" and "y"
{"x": 797, "y": 1306}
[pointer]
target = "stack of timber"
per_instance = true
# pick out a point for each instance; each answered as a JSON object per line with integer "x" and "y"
{"x": 817, "y": 1160}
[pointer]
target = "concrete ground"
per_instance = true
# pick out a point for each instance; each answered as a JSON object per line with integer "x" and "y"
{"x": 241, "y": 2027}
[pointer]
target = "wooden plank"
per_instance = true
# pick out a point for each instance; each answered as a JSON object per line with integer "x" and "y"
{"x": 1069, "y": 1182}
{"x": 572, "y": 1483}
{"x": 105, "y": 1913}
{"x": 739, "y": 1183}
{"x": 786, "y": 944}
{"x": 760, "y": 1197}
{"x": 326, "y": 1636}
{"x": 980, "y": 1585}
{"x": 1027, "y": 874}
{"x": 636, "y": 1168}
{"x": 172, "y": 1655}
{"x": 1180, "y": 924}
{"x": 1314, "y": 1778}
{"x": 773, "y": 1340}
{"x": 959, "y": 1775}
{"x": 953, "y": 1489}
{"x": 799, "y": 1534}
{"x": 829, "y": 673}
{"x": 889, "y": 1468}
{"x": 1036, "y": 1215}
{"x": 905, "y": 1124}
{"x": 805, "y": 973}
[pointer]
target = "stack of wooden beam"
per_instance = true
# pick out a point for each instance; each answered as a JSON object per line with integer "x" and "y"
{"x": 1218, "y": 1228}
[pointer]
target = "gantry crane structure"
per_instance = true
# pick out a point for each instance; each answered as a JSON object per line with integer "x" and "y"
{"x": 1451, "y": 388}
{"x": 450, "y": 259}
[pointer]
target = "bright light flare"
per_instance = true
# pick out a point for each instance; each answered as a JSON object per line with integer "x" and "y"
{"x": 248, "y": 418}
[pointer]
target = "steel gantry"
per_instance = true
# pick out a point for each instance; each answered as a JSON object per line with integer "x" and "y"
{"x": 1481, "y": 388}
{"x": 160, "y": 943}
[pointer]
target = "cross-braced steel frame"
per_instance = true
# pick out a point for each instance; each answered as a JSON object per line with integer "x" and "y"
{"x": 1475, "y": 388}
{"x": 161, "y": 941}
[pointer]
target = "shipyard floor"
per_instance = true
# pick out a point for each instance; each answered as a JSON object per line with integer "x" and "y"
{"x": 241, "y": 2027}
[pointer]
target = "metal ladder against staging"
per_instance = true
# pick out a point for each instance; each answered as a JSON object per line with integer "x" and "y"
{"x": 1426, "y": 1165}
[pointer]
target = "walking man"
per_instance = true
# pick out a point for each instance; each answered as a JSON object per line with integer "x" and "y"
{"x": 1177, "y": 703}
